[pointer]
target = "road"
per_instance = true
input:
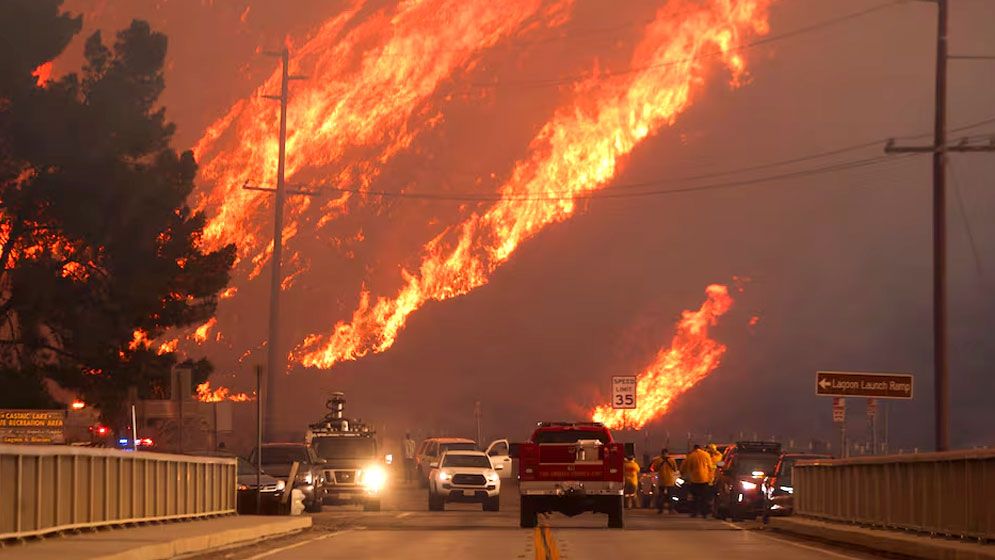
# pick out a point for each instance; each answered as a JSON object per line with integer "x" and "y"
{"x": 405, "y": 529}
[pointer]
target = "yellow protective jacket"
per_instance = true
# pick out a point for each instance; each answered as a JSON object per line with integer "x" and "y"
{"x": 698, "y": 467}
{"x": 631, "y": 470}
{"x": 668, "y": 472}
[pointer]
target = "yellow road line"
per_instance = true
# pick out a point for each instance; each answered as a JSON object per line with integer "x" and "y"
{"x": 545, "y": 544}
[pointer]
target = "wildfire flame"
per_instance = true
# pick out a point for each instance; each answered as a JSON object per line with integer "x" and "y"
{"x": 355, "y": 96}
{"x": 577, "y": 152}
{"x": 692, "y": 355}
{"x": 201, "y": 332}
{"x": 43, "y": 74}
{"x": 208, "y": 395}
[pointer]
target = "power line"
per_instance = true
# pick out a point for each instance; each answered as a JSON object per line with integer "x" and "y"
{"x": 608, "y": 192}
{"x": 566, "y": 80}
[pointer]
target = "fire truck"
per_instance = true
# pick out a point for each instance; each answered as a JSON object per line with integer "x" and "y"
{"x": 354, "y": 469}
{"x": 571, "y": 468}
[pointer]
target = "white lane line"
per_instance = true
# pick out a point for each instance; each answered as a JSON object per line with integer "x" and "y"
{"x": 405, "y": 514}
{"x": 813, "y": 548}
{"x": 269, "y": 553}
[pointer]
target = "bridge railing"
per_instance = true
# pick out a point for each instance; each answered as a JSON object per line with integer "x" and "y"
{"x": 950, "y": 493}
{"x": 53, "y": 488}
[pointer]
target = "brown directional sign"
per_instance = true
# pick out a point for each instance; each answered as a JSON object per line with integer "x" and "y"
{"x": 858, "y": 384}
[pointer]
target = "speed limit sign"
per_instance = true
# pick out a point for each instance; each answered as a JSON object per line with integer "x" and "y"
{"x": 624, "y": 391}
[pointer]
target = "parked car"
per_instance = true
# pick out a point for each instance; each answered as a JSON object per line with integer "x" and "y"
{"x": 464, "y": 476}
{"x": 778, "y": 493}
{"x": 270, "y": 499}
{"x": 432, "y": 449}
{"x": 740, "y": 475}
{"x": 499, "y": 452}
{"x": 277, "y": 461}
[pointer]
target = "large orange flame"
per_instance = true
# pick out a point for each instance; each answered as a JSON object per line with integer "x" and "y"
{"x": 206, "y": 394}
{"x": 691, "y": 356}
{"x": 364, "y": 86}
{"x": 578, "y": 151}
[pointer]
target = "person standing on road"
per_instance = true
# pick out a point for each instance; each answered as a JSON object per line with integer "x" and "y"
{"x": 699, "y": 470}
{"x": 716, "y": 456}
{"x": 409, "y": 458}
{"x": 667, "y": 474}
{"x": 630, "y": 470}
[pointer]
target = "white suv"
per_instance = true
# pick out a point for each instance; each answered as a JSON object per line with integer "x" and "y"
{"x": 464, "y": 476}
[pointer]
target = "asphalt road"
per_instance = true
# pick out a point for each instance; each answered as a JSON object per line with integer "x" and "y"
{"x": 405, "y": 529}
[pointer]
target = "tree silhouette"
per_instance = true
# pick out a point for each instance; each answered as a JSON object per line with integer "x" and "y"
{"x": 97, "y": 239}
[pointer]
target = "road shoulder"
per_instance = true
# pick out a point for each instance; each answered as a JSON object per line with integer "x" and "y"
{"x": 882, "y": 540}
{"x": 156, "y": 542}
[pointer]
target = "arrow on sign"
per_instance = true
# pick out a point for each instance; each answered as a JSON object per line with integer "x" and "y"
{"x": 824, "y": 383}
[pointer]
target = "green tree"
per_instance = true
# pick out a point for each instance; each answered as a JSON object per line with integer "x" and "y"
{"x": 98, "y": 243}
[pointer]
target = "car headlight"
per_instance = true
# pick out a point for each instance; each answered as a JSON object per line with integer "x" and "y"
{"x": 280, "y": 485}
{"x": 243, "y": 487}
{"x": 788, "y": 489}
{"x": 444, "y": 476}
{"x": 680, "y": 481}
{"x": 492, "y": 476}
{"x": 747, "y": 485}
{"x": 373, "y": 478}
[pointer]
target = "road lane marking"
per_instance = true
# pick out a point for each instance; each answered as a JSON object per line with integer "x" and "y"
{"x": 545, "y": 544}
{"x": 792, "y": 543}
{"x": 405, "y": 514}
{"x": 813, "y": 548}
{"x": 269, "y": 553}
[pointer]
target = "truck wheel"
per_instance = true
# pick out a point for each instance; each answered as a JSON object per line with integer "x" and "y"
{"x": 492, "y": 504}
{"x": 371, "y": 505}
{"x": 436, "y": 503}
{"x": 615, "y": 513}
{"x": 528, "y": 514}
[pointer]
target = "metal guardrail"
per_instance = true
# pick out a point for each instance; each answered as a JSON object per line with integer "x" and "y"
{"x": 44, "y": 489}
{"x": 950, "y": 493}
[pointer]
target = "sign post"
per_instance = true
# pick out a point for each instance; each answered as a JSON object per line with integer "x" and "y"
{"x": 44, "y": 427}
{"x": 858, "y": 384}
{"x": 873, "y": 386}
{"x": 872, "y": 425}
{"x": 623, "y": 394}
{"x": 839, "y": 417}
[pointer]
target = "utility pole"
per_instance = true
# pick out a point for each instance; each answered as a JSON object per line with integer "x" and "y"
{"x": 276, "y": 362}
{"x": 939, "y": 149}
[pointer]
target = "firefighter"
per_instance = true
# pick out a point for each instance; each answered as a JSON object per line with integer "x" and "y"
{"x": 699, "y": 471}
{"x": 630, "y": 469}
{"x": 667, "y": 474}
{"x": 716, "y": 456}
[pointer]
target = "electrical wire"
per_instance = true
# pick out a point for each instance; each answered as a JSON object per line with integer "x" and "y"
{"x": 608, "y": 192}
{"x": 566, "y": 80}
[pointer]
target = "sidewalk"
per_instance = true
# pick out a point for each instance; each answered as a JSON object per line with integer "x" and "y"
{"x": 155, "y": 542}
{"x": 881, "y": 540}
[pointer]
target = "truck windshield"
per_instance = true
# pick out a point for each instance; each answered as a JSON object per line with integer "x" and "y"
{"x": 472, "y": 461}
{"x": 459, "y": 446}
{"x": 284, "y": 455}
{"x": 344, "y": 448}
{"x": 747, "y": 464}
{"x": 570, "y": 436}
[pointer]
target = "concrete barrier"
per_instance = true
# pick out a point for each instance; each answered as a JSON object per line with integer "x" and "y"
{"x": 44, "y": 489}
{"x": 950, "y": 493}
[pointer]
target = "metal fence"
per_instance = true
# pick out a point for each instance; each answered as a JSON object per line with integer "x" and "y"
{"x": 950, "y": 493}
{"x": 54, "y": 488}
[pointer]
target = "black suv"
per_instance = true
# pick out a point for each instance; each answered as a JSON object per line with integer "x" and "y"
{"x": 277, "y": 461}
{"x": 740, "y": 476}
